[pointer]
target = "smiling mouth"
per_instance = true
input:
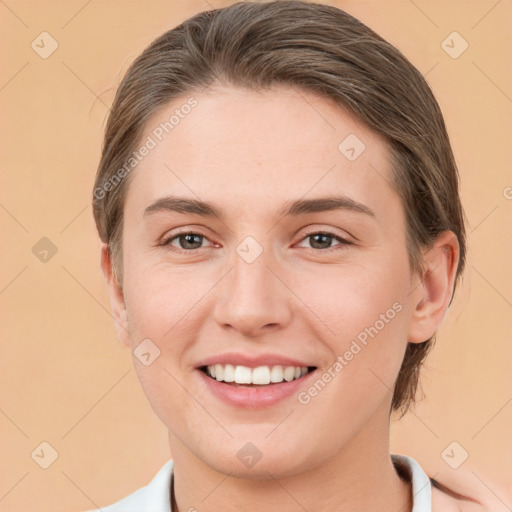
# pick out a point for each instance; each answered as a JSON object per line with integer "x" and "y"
{"x": 238, "y": 375}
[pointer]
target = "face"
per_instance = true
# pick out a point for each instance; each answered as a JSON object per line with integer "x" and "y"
{"x": 266, "y": 283}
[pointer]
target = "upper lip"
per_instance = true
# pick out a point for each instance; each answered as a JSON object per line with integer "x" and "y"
{"x": 238, "y": 359}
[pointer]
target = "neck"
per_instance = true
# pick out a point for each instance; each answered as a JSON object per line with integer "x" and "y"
{"x": 360, "y": 476}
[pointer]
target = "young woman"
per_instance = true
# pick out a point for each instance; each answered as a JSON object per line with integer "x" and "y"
{"x": 282, "y": 236}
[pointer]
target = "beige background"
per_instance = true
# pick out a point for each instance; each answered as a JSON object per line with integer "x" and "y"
{"x": 67, "y": 381}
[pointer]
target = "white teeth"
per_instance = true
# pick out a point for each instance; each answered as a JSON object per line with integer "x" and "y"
{"x": 262, "y": 375}
{"x": 289, "y": 373}
{"x": 276, "y": 374}
{"x": 229, "y": 373}
{"x": 243, "y": 375}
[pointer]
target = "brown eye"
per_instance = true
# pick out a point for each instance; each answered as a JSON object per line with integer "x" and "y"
{"x": 187, "y": 242}
{"x": 322, "y": 240}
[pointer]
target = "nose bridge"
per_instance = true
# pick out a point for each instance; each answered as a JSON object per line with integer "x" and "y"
{"x": 251, "y": 297}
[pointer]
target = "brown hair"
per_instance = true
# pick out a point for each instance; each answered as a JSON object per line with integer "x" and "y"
{"x": 318, "y": 48}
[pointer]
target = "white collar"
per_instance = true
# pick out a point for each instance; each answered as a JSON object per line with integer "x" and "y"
{"x": 155, "y": 496}
{"x": 421, "y": 487}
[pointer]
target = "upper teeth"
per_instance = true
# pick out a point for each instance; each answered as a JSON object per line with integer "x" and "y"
{"x": 259, "y": 375}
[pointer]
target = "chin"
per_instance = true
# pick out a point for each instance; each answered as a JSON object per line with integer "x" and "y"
{"x": 258, "y": 460}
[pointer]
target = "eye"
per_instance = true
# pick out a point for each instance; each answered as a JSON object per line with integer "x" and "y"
{"x": 321, "y": 240}
{"x": 188, "y": 241}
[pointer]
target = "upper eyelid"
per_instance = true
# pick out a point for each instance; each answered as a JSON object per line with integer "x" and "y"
{"x": 308, "y": 232}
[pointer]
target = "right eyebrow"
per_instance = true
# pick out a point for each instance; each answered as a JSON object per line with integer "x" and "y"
{"x": 184, "y": 205}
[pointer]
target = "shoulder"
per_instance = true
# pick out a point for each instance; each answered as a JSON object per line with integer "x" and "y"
{"x": 435, "y": 496}
{"x": 445, "y": 499}
{"x": 465, "y": 494}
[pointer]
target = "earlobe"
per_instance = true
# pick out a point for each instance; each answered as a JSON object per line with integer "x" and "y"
{"x": 433, "y": 293}
{"x": 116, "y": 296}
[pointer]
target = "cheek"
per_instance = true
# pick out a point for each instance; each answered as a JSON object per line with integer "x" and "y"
{"x": 165, "y": 392}
{"x": 347, "y": 301}
{"x": 159, "y": 299}
{"x": 362, "y": 317}
{"x": 367, "y": 350}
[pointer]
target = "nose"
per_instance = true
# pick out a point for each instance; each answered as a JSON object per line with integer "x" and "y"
{"x": 253, "y": 298}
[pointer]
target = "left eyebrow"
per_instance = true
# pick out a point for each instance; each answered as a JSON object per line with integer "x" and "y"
{"x": 323, "y": 204}
{"x": 292, "y": 208}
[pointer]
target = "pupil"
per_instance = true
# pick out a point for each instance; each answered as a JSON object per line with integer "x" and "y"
{"x": 322, "y": 236}
{"x": 189, "y": 238}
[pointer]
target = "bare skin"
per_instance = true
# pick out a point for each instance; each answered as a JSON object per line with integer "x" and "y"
{"x": 250, "y": 153}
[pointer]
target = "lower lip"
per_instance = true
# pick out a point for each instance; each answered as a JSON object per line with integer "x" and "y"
{"x": 254, "y": 397}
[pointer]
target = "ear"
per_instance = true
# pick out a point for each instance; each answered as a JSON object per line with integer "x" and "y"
{"x": 116, "y": 296}
{"x": 433, "y": 290}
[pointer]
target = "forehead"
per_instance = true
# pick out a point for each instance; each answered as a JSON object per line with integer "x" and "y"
{"x": 246, "y": 149}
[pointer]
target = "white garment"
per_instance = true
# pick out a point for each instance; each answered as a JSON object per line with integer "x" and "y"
{"x": 155, "y": 497}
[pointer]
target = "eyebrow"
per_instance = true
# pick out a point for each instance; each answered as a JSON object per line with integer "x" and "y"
{"x": 292, "y": 208}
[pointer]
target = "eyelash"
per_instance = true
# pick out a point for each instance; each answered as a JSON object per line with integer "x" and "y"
{"x": 343, "y": 241}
